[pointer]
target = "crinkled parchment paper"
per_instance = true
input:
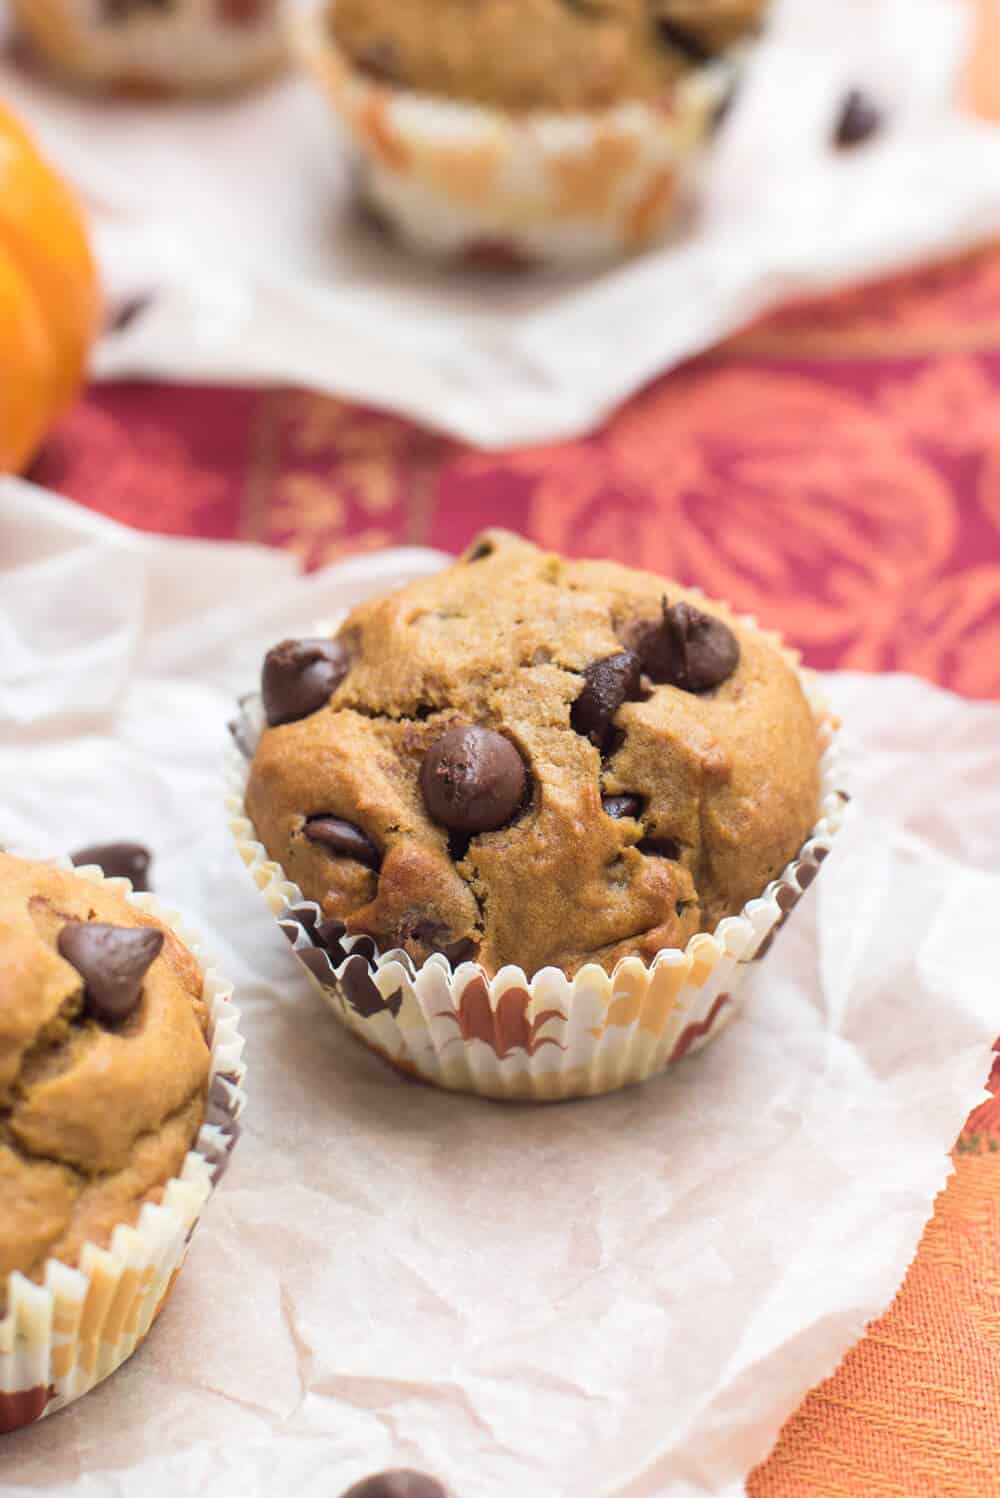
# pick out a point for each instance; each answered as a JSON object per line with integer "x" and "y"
{"x": 618, "y": 1298}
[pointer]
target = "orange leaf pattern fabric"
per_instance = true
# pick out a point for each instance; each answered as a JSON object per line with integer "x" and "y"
{"x": 836, "y": 470}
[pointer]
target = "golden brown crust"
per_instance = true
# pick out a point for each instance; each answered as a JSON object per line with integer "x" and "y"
{"x": 536, "y": 54}
{"x": 93, "y": 1120}
{"x": 732, "y": 775}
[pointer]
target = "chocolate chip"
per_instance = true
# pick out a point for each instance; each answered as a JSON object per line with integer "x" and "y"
{"x": 653, "y": 643}
{"x": 118, "y": 861}
{"x": 622, "y": 806}
{"x": 112, "y": 961}
{"x": 380, "y": 60}
{"x": 480, "y": 551}
{"x": 672, "y": 35}
{"x": 706, "y": 651}
{"x": 300, "y": 676}
{"x": 607, "y": 684}
{"x": 343, "y": 839}
{"x": 403, "y": 1483}
{"x": 860, "y": 118}
{"x": 660, "y": 847}
{"x": 436, "y": 938}
{"x": 472, "y": 779}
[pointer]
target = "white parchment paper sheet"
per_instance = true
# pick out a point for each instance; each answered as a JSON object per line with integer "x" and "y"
{"x": 239, "y": 220}
{"x": 612, "y": 1299}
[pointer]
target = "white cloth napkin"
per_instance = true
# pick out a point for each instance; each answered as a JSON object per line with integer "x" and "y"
{"x": 618, "y": 1298}
{"x": 238, "y": 220}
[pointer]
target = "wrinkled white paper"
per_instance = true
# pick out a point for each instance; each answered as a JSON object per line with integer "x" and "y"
{"x": 618, "y": 1298}
{"x": 239, "y": 220}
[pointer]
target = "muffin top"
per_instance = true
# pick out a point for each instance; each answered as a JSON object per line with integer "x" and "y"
{"x": 534, "y": 761}
{"x": 538, "y": 54}
{"x": 104, "y": 1063}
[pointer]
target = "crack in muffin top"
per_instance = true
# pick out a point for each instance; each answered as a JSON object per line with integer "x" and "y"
{"x": 538, "y": 54}
{"x": 104, "y": 1063}
{"x": 537, "y": 762}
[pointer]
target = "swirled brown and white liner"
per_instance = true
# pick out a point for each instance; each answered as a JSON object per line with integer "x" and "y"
{"x": 188, "y": 46}
{"x": 61, "y": 1337}
{"x": 552, "y": 1037}
{"x": 463, "y": 179}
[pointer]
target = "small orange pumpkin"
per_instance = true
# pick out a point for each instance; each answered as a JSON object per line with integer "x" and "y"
{"x": 49, "y": 297}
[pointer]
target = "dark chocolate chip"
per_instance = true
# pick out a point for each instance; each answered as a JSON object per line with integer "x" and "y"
{"x": 118, "y": 861}
{"x": 403, "y": 1483}
{"x": 112, "y": 961}
{"x": 458, "y": 845}
{"x": 660, "y": 847}
{"x": 380, "y": 60}
{"x": 435, "y": 937}
{"x": 706, "y": 651}
{"x": 607, "y": 684}
{"x": 343, "y": 839}
{"x": 300, "y": 676}
{"x": 362, "y": 994}
{"x": 653, "y": 642}
{"x": 805, "y": 873}
{"x": 622, "y": 806}
{"x": 472, "y": 779}
{"x": 682, "y": 41}
{"x": 860, "y": 118}
{"x": 458, "y": 952}
{"x": 480, "y": 551}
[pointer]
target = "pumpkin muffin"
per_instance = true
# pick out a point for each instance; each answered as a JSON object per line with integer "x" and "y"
{"x": 545, "y": 129}
{"x": 532, "y": 761}
{"x": 155, "y": 47}
{"x": 110, "y": 1036}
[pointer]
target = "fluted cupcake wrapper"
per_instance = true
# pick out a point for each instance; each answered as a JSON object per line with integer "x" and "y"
{"x": 549, "y": 1037}
{"x": 61, "y": 1337}
{"x": 462, "y": 179}
{"x": 188, "y": 46}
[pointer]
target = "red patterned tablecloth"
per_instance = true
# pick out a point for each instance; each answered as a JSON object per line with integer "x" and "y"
{"x": 835, "y": 470}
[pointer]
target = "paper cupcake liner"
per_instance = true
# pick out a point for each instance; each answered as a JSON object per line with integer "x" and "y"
{"x": 552, "y": 1037}
{"x": 188, "y": 46}
{"x": 460, "y": 179}
{"x": 61, "y": 1337}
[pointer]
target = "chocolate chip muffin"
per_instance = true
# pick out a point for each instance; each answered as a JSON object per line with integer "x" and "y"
{"x": 532, "y": 761}
{"x": 155, "y": 47}
{"x": 538, "y": 54}
{"x": 555, "y": 131}
{"x": 104, "y": 1064}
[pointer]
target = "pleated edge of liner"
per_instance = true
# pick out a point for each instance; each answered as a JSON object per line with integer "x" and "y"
{"x": 31, "y": 1305}
{"x": 742, "y": 937}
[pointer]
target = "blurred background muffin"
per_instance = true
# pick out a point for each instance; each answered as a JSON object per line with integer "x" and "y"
{"x": 547, "y": 130}
{"x": 155, "y": 46}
